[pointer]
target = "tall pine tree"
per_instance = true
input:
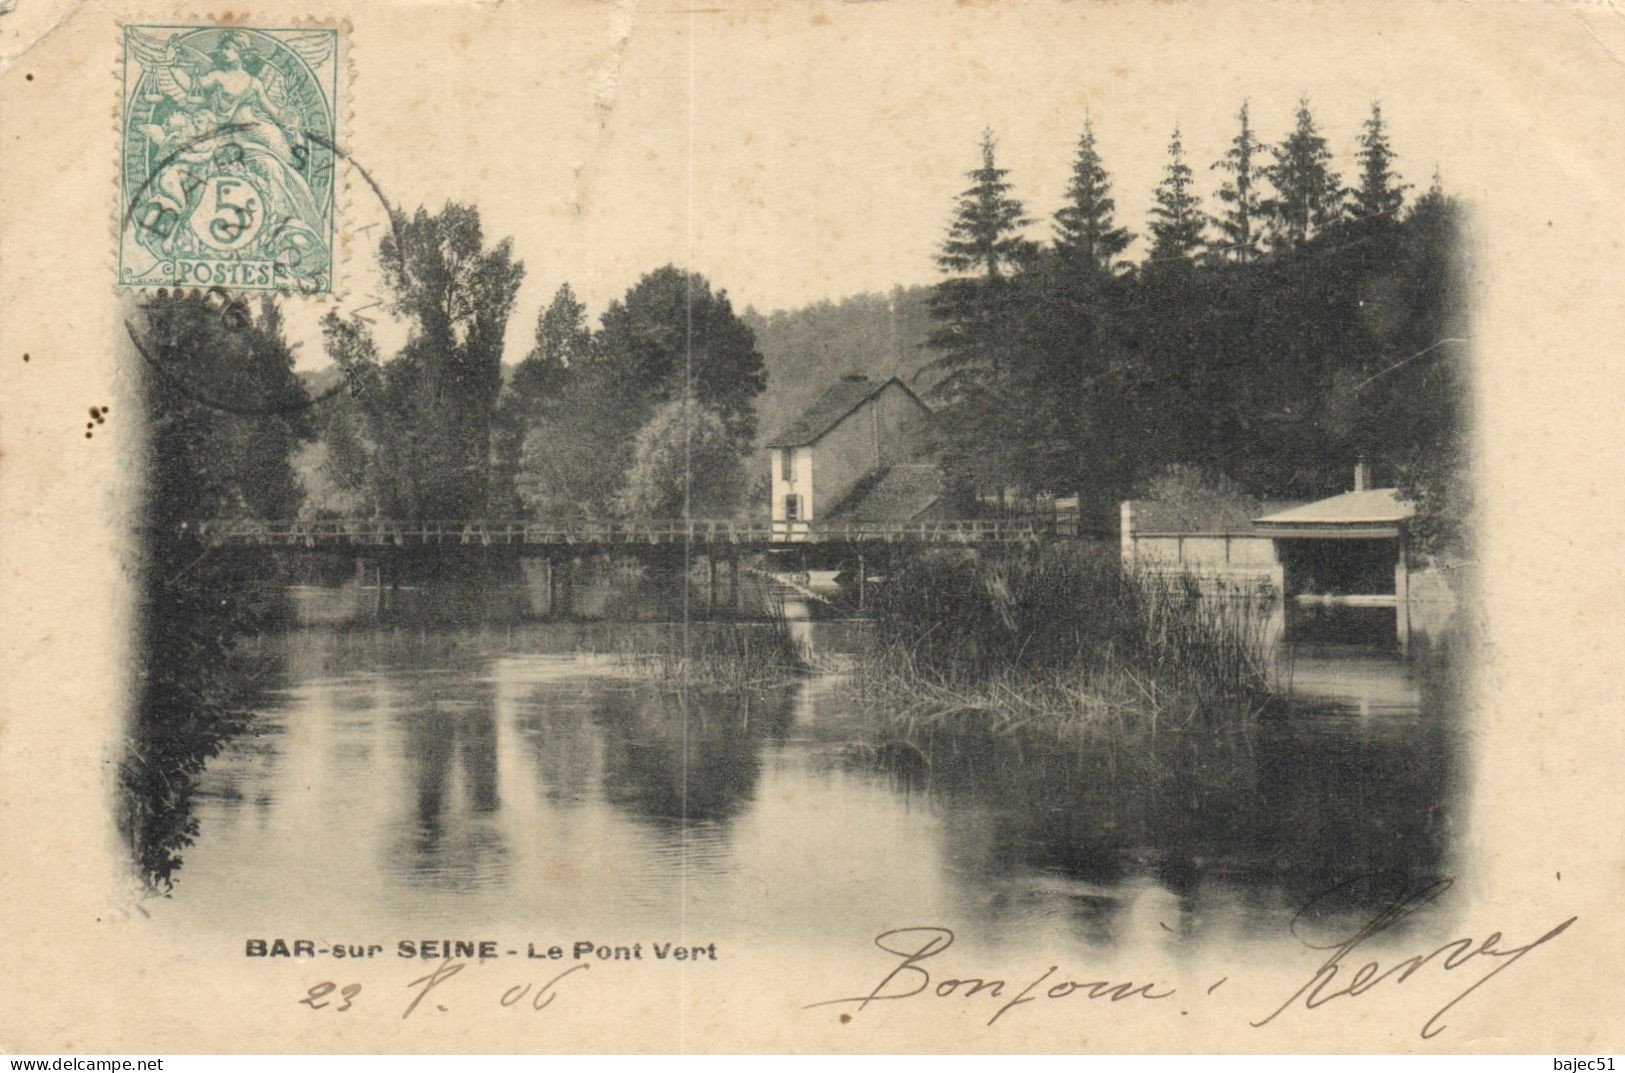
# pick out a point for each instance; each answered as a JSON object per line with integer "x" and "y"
{"x": 1176, "y": 217}
{"x": 1308, "y": 195}
{"x": 977, "y": 312}
{"x": 1085, "y": 232}
{"x": 1380, "y": 194}
{"x": 985, "y": 237}
{"x": 1239, "y": 223}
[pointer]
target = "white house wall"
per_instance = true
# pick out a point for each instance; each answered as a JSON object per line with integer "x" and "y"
{"x": 800, "y": 482}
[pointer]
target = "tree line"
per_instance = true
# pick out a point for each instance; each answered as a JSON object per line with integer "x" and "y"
{"x": 650, "y": 414}
{"x": 1301, "y": 325}
{"x": 1266, "y": 341}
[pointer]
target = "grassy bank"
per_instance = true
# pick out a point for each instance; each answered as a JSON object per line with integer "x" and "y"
{"x": 1061, "y": 642}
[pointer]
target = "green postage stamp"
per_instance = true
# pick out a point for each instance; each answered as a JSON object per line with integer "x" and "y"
{"x": 228, "y": 161}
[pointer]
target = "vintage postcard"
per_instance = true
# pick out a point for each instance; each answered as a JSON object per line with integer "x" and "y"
{"x": 828, "y": 527}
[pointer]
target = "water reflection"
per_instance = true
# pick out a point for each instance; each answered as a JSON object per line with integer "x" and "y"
{"x": 678, "y": 757}
{"x": 1219, "y": 834}
{"x": 516, "y": 773}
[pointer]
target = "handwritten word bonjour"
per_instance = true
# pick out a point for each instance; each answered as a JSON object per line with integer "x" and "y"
{"x": 908, "y": 977}
{"x": 915, "y": 945}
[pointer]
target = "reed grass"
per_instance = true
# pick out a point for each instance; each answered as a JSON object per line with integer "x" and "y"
{"x": 1063, "y": 642}
{"x": 724, "y": 655}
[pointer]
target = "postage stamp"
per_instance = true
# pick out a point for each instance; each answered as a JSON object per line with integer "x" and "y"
{"x": 227, "y": 161}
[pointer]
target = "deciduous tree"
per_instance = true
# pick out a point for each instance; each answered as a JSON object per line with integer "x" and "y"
{"x": 440, "y": 392}
{"x": 686, "y": 463}
{"x": 669, "y": 338}
{"x": 1380, "y": 194}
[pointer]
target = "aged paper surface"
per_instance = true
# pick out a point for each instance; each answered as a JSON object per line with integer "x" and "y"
{"x": 792, "y": 154}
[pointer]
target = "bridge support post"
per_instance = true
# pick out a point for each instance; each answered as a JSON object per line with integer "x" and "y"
{"x": 560, "y": 586}
{"x": 552, "y": 591}
{"x": 736, "y": 599}
{"x": 1402, "y": 598}
{"x": 711, "y": 577}
{"x": 863, "y": 581}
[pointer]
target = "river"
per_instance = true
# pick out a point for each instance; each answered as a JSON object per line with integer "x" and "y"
{"x": 489, "y": 775}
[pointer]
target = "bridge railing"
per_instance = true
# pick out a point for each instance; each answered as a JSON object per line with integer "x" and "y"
{"x": 383, "y": 532}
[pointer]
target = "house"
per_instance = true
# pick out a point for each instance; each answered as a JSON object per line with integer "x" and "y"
{"x": 851, "y": 455}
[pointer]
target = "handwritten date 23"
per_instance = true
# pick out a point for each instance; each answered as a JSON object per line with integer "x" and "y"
{"x": 321, "y": 995}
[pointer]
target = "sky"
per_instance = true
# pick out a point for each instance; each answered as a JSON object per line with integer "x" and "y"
{"x": 804, "y": 153}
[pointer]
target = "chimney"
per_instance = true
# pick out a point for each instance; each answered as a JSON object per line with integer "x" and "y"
{"x": 1362, "y": 476}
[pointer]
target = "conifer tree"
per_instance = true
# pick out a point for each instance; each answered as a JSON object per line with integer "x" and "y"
{"x": 1308, "y": 194}
{"x": 1176, "y": 218}
{"x": 985, "y": 237}
{"x": 977, "y": 310}
{"x": 1432, "y": 200}
{"x": 1085, "y": 232}
{"x": 1380, "y": 194}
{"x": 1243, "y": 208}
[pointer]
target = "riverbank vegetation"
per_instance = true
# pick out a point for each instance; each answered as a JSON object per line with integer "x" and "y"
{"x": 223, "y": 411}
{"x": 723, "y": 656}
{"x": 1062, "y": 643}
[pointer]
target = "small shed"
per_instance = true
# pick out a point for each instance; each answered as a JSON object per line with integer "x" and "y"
{"x": 1344, "y": 558}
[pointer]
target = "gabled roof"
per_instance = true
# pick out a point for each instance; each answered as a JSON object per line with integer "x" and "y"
{"x": 898, "y": 493}
{"x": 841, "y": 399}
{"x": 1373, "y": 512}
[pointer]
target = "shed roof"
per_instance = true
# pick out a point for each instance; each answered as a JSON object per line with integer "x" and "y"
{"x": 898, "y": 493}
{"x": 1372, "y": 512}
{"x": 1207, "y": 516}
{"x": 843, "y": 396}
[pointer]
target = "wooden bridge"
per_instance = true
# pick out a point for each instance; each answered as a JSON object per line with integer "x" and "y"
{"x": 378, "y": 533}
{"x": 385, "y": 550}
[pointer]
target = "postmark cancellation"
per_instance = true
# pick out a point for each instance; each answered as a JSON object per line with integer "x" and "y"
{"x": 227, "y": 160}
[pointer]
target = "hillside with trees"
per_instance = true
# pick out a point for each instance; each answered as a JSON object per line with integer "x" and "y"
{"x": 805, "y": 350}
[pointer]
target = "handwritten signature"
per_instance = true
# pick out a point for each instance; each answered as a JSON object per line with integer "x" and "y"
{"x": 1453, "y": 955}
{"x": 907, "y": 977}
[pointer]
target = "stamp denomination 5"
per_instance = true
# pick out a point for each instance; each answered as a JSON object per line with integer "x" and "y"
{"x": 227, "y": 166}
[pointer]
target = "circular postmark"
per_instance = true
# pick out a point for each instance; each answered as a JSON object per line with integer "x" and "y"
{"x": 198, "y": 340}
